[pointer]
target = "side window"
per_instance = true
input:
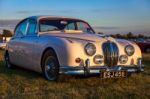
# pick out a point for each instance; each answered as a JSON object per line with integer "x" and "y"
{"x": 21, "y": 29}
{"x": 84, "y": 27}
{"x": 31, "y": 27}
{"x": 70, "y": 26}
{"x": 44, "y": 27}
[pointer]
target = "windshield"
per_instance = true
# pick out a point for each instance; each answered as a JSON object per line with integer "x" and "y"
{"x": 46, "y": 25}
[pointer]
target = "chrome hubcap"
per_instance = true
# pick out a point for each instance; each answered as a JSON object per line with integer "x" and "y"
{"x": 50, "y": 68}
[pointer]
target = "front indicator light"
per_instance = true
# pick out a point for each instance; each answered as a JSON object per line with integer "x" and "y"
{"x": 78, "y": 60}
{"x": 129, "y": 49}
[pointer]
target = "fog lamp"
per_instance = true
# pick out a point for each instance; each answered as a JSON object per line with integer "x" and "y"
{"x": 98, "y": 59}
{"x": 123, "y": 59}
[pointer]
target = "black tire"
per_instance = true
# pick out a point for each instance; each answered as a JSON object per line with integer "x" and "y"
{"x": 147, "y": 50}
{"x": 7, "y": 61}
{"x": 50, "y": 66}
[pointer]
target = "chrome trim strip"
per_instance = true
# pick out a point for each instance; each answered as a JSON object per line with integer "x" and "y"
{"x": 97, "y": 69}
{"x": 87, "y": 69}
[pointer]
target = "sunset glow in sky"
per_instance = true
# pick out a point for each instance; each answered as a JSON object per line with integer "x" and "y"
{"x": 110, "y": 16}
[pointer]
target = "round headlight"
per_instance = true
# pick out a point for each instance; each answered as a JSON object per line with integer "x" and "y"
{"x": 90, "y": 49}
{"x": 123, "y": 59}
{"x": 129, "y": 49}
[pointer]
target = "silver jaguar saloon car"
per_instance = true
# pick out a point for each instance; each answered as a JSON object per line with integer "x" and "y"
{"x": 55, "y": 45}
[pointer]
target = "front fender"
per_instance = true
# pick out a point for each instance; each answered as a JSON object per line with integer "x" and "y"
{"x": 121, "y": 45}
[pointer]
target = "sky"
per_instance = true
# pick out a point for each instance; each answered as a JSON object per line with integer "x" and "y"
{"x": 108, "y": 16}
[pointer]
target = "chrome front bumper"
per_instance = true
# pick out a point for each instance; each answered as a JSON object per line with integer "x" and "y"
{"x": 87, "y": 69}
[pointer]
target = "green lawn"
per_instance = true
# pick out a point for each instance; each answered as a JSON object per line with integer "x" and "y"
{"x": 20, "y": 83}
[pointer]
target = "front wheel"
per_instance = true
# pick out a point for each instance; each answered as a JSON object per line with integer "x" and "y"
{"x": 50, "y": 66}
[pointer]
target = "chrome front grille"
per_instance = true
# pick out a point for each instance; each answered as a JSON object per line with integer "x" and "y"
{"x": 110, "y": 51}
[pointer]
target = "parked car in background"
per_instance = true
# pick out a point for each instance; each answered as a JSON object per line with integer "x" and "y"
{"x": 2, "y": 45}
{"x": 144, "y": 45}
{"x": 3, "y": 42}
{"x": 61, "y": 45}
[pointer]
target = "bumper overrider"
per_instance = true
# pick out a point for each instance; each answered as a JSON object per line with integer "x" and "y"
{"x": 87, "y": 69}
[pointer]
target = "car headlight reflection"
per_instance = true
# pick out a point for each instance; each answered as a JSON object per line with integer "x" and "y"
{"x": 90, "y": 49}
{"x": 129, "y": 49}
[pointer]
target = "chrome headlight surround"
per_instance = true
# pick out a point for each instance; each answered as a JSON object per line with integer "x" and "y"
{"x": 90, "y": 49}
{"x": 129, "y": 49}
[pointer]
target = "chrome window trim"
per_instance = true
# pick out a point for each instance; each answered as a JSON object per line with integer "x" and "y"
{"x": 35, "y": 32}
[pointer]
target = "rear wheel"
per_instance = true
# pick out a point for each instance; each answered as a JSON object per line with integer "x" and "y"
{"x": 7, "y": 61}
{"x": 50, "y": 66}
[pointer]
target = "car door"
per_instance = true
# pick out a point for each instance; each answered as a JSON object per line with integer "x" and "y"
{"x": 29, "y": 43}
{"x": 15, "y": 44}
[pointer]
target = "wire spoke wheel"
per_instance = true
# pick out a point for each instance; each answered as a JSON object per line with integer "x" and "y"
{"x": 7, "y": 61}
{"x": 50, "y": 66}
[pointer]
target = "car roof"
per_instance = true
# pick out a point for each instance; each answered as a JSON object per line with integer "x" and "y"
{"x": 51, "y": 16}
{"x": 48, "y": 16}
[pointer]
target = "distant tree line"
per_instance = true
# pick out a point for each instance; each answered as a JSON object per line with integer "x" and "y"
{"x": 129, "y": 35}
{"x": 7, "y": 33}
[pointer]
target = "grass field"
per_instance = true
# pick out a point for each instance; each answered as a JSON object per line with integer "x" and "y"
{"x": 20, "y": 83}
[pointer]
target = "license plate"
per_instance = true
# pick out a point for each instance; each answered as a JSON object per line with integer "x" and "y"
{"x": 113, "y": 74}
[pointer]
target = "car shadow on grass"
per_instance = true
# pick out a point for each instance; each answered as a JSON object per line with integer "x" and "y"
{"x": 17, "y": 71}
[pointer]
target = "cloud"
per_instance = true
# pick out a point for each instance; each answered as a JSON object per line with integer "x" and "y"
{"x": 8, "y": 24}
{"x": 107, "y": 27}
{"x": 101, "y": 10}
{"x": 46, "y": 11}
{"x": 26, "y": 12}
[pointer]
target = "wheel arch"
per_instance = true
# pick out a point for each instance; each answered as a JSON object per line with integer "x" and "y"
{"x": 47, "y": 49}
